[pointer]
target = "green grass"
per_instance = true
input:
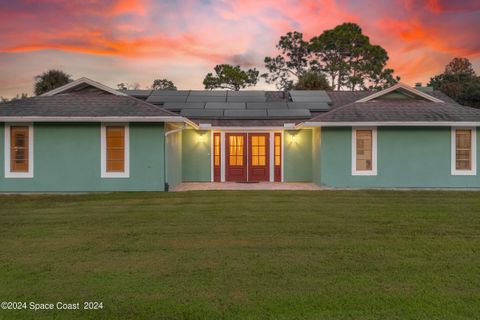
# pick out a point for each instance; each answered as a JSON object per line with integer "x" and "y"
{"x": 244, "y": 255}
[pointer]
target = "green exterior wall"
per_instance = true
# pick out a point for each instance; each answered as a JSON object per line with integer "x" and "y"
{"x": 297, "y": 157}
{"x": 407, "y": 157}
{"x": 196, "y": 159}
{"x": 67, "y": 159}
{"x": 174, "y": 158}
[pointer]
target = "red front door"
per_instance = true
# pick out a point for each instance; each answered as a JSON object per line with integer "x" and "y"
{"x": 236, "y": 157}
{"x": 258, "y": 157}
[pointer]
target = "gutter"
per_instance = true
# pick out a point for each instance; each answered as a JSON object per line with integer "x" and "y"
{"x": 93, "y": 119}
{"x": 394, "y": 124}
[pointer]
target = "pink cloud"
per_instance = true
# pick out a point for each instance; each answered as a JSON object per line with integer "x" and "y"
{"x": 420, "y": 36}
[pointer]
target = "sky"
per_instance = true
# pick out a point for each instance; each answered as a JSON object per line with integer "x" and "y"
{"x": 137, "y": 41}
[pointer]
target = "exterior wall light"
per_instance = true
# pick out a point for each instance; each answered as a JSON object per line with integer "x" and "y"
{"x": 201, "y": 137}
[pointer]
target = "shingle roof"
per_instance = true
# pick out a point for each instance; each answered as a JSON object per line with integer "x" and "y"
{"x": 82, "y": 105}
{"x": 341, "y": 98}
{"x": 403, "y": 110}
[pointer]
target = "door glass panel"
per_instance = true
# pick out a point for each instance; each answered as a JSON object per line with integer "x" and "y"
{"x": 258, "y": 148}
{"x": 236, "y": 150}
{"x": 216, "y": 151}
{"x": 277, "y": 145}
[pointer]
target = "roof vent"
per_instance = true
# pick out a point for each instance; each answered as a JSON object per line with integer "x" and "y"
{"x": 418, "y": 84}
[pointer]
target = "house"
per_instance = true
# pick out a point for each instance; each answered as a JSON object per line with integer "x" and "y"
{"x": 85, "y": 136}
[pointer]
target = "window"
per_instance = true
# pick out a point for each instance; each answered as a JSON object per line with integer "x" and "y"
{"x": 277, "y": 149}
{"x": 464, "y": 151}
{"x": 364, "y": 151}
{"x": 19, "y": 151}
{"x": 216, "y": 149}
{"x": 236, "y": 150}
{"x": 115, "y": 151}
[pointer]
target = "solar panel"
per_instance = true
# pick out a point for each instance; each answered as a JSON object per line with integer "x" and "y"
{"x": 225, "y": 105}
{"x": 309, "y": 96}
{"x": 312, "y": 106}
{"x": 203, "y": 93}
{"x": 138, "y": 93}
{"x": 170, "y": 92}
{"x": 245, "y": 114}
{"x": 159, "y": 99}
{"x": 246, "y": 93}
{"x": 205, "y": 99}
{"x": 202, "y": 113}
{"x": 183, "y": 105}
{"x": 266, "y": 105}
{"x": 246, "y": 98}
{"x": 288, "y": 113}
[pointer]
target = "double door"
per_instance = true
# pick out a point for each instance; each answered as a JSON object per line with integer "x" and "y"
{"x": 247, "y": 157}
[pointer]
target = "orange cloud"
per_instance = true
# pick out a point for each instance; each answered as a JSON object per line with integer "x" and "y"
{"x": 128, "y": 6}
{"x": 419, "y": 35}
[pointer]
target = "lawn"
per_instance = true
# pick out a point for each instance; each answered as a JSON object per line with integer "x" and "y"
{"x": 244, "y": 255}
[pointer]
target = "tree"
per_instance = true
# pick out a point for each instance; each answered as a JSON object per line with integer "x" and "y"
{"x": 312, "y": 80}
{"x": 230, "y": 77}
{"x": 350, "y": 60}
{"x": 21, "y": 96}
{"x": 459, "y": 81}
{"x": 292, "y": 62}
{"x": 122, "y": 86}
{"x": 460, "y": 66}
{"x": 163, "y": 84}
{"x": 128, "y": 86}
{"x": 50, "y": 80}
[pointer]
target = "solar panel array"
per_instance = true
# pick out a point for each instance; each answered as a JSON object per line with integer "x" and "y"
{"x": 247, "y": 104}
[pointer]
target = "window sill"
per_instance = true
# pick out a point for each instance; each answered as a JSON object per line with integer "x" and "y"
{"x": 464, "y": 173}
{"x": 18, "y": 175}
{"x": 115, "y": 175}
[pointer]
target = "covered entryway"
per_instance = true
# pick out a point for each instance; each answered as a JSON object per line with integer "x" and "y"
{"x": 247, "y": 157}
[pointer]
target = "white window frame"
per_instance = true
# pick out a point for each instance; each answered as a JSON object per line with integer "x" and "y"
{"x": 7, "y": 149}
{"x": 103, "y": 151}
{"x": 456, "y": 172}
{"x": 356, "y": 172}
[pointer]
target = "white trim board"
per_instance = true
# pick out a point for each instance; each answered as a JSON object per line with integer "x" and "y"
{"x": 397, "y": 86}
{"x": 245, "y": 129}
{"x": 81, "y": 81}
{"x": 453, "y": 147}
{"x": 8, "y": 173}
{"x": 223, "y": 157}
{"x": 103, "y": 152}
{"x": 94, "y": 119}
{"x": 393, "y": 124}
{"x": 271, "y": 158}
{"x": 372, "y": 172}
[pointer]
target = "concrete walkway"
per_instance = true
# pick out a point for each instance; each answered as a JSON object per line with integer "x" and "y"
{"x": 191, "y": 186}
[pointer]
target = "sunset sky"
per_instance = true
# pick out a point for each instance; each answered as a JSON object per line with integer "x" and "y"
{"x": 115, "y": 41}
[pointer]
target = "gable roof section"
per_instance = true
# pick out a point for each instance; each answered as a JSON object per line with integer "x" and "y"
{"x": 399, "y": 87}
{"x": 397, "y": 113}
{"x": 85, "y": 100}
{"x": 82, "y": 107}
{"x": 82, "y": 82}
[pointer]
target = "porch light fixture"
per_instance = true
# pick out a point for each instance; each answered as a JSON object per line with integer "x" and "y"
{"x": 201, "y": 136}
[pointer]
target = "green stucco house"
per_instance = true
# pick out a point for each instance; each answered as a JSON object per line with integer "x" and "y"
{"x": 86, "y": 137}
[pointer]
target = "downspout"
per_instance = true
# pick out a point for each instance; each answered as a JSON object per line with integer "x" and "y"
{"x": 165, "y": 183}
{"x": 165, "y": 166}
